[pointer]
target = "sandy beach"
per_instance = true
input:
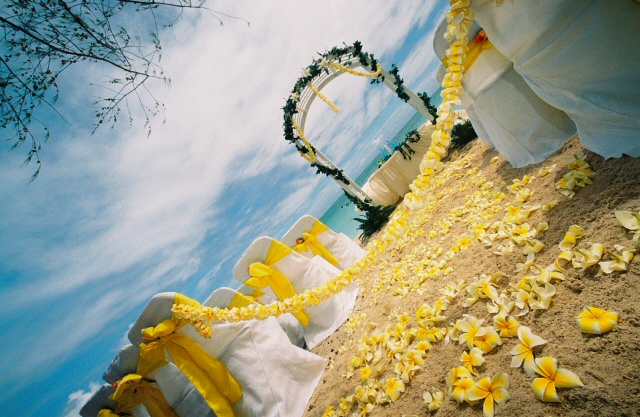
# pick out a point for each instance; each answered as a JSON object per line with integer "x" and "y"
{"x": 447, "y": 246}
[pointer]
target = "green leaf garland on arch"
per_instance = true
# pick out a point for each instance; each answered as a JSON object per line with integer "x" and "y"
{"x": 342, "y": 55}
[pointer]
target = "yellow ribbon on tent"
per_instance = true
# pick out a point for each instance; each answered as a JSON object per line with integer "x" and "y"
{"x": 133, "y": 390}
{"x": 210, "y": 376}
{"x": 105, "y": 412}
{"x": 474, "y": 48}
{"x": 311, "y": 243}
{"x": 262, "y": 275}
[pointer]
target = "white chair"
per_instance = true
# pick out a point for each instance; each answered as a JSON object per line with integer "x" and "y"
{"x": 178, "y": 391}
{"x": 522, "y": 127}
{"x": 245, "y": 349}
{"x": 303, "y": 273}
{"x": 290, "y": 373}
{"x": 344, "y": 249}
{"x": 100, "y": 401}
{"x": 291, "y": 326}
{"x": 579, "y": 56}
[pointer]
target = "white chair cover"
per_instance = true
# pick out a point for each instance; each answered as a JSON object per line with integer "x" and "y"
{"x": 181, "y": 395}
{"x": 303, "y": 273}
{"x": 343, "y": 248}
{"x": 391, "y": 181}
{"x": 291, "y": 326}
{"x": 523, "y": 128}
{"x": 100, "y": 400}
{"x": 579, "y": 56}
{"x": 289, "y": 374}
{"x": 256, "y": 353}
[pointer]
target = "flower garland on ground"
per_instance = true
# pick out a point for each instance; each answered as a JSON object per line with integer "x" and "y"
{"x": 459, "y": 19}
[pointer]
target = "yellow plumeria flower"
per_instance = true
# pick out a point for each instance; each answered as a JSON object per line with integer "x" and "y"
{"x": 393, "y": 388}
{"x": 586, "y": 258}
{"x": 329, "y": 412}
{"x": 619, "y": 262}
{"x": 473, "y": 359}
{"x": 344, "y": 407}
{"x": 488, "y": 341}
{"x": 460, "y": 388}
{"x": 562, "y": 260}
{"x": 365, "y": 373}
{"x": 433, "y": 399}
{"x": 436, "y": 334}
{"x": 549, "y": 206}
{"x": 523, "y": 352}
{"x": 455, "y": 374}
{"x": 490, "y": 390}
{"x": 594, "y": 320}
{"x": 571, "y": 238}
{"x": 546, "y": 170}
{"x": 544, "y": 389}
{"x": 631, "y": 221}
{"x": 506, "y": 325}
{"x": 471, "y": 328}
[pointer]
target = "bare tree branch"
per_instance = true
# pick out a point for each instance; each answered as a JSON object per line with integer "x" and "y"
{"x": 40, "y": 39}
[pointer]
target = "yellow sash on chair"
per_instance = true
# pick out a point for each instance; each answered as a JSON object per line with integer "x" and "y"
{"x": 210, "y": 376}
{"x": 311, "y": 243}
{"x": 262, "y": 275}
{"x": 133, "y": 390}
{"x": 242, "y": 300}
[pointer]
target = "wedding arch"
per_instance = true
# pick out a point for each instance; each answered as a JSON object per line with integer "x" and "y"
{"x": 321, "y": 72}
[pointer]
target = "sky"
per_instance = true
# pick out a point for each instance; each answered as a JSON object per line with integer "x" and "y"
{"x": 119, "y": 216}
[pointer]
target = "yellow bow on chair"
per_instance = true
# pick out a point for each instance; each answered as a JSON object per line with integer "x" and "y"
{"x": 243, "y": 300}
{"x": 133, "y": 390}
{"x": 210, "y": 376}
{"x": 311, "y": 243}
{"x": 262, "y": 275}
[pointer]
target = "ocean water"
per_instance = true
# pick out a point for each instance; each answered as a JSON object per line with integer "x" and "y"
{"x": 340, "y": 216}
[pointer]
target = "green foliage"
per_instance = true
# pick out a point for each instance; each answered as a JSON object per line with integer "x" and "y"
{"x": 402, "y": 95}
{"x": 373, "y": 220}
{"x": 383, "y": 160}
{"x": 430, "y": 107}
{"x": 363, "y": 205}
{"x": 461, "y": 134}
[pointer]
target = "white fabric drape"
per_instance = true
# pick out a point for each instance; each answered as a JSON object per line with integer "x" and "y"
{"x": 291, "y": 373}
{"x": 579, "y": 56}
{"x": 522, "y": 127}
{"x": 391, "y": 181}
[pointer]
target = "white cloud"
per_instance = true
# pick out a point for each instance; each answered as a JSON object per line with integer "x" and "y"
{"x": 77, "y": 400}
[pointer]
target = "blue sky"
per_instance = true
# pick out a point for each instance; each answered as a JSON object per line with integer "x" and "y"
{"x": 117, "y": 217}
